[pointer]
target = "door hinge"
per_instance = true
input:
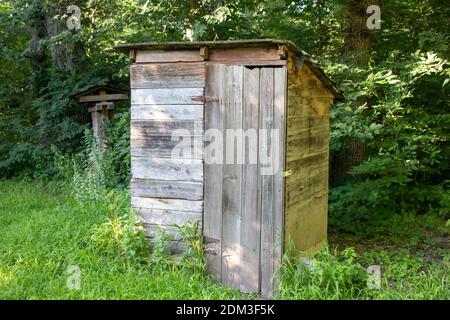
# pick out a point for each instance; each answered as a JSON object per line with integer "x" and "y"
{"x": 205, "y": 98}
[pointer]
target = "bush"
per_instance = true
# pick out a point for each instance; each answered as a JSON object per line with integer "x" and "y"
{"x": 121, "y": 234}
{"x": 405, "y": 138}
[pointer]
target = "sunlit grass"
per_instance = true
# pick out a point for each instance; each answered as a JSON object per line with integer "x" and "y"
{"x": 44, "y": 230}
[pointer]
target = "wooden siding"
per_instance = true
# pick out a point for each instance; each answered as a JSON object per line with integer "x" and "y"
{"x": 167, "y": 187}
{"x": 307, "y": 153}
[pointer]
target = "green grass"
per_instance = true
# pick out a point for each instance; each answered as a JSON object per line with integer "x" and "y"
{"x": 44, "y": 230}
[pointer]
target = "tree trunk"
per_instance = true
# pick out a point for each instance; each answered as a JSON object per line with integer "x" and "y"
{"x": 35, "y": 52}
{"x": 358, "y": 41}
{"x": 67, "y": 55}
{"x": 192, "y": 5}
{"x": 358, "y": 37}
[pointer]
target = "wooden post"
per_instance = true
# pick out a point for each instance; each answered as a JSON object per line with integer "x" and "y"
{"x": 101, "y": 110}
{"x": 100, "y": 113}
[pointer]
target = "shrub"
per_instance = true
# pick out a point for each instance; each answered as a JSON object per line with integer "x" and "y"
{"x": 121, "y": 234}
{"x": 405, "y": 138}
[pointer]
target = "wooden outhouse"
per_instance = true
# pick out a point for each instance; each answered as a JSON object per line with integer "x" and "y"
{"x": 265, "y": 107}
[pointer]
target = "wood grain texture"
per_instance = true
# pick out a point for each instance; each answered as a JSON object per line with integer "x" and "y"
{"x": 243, "y": 207}
{"x": 280, "y": 89}
{"x": 168, "y": 75}
{"x": 267, "y": 183}
{"x": 167, "y": 112}
{"x": 167, "y": 189}
{"x": 104, "y": 97}
{"x": 176, "y": 243}
{"x": 167, "y": 169}
{"x": 167, "y": 147}
{"x": 250, "y": 228}
{"x": 232, "y": 183}
{"x": 212, "y": 219}
{"x": 169, "y": 217}
{"x": 147, "y": 128}
{"x": 307, "y": 155}
{"x": 167, "y": 140}
{"x": 166, "y": 204}
{"x": 248, "y": 54}
{"x": 146, "y": 56}
{"x": 166, "y": 96}
{"x": 251, "y": 63}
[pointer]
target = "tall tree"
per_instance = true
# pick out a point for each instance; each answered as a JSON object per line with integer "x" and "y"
{"x": 358, "y": 42}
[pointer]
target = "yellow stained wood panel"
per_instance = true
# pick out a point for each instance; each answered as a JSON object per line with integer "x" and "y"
{"x": 307, "y": 145}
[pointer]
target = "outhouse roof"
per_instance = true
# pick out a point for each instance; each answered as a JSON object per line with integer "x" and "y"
{"x": 177, "y": 45}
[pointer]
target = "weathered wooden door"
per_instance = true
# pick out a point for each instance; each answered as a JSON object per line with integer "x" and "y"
{"x": 243, "y": 198}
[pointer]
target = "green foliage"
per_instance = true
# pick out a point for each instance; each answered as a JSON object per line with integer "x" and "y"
{"x": 342, "y": 275}
{"x": 121, "y": 234}
{"x": 191, "y": 235}
{"x": 92, "y": 172}
{"x": 396, "y": 108}
{"x": 327, "y": 276}
{"x": 405, "y": 138}
{"x": 44, "y": 231}
{"x": 408, "y": 276}
{"x": 118, "y": 150}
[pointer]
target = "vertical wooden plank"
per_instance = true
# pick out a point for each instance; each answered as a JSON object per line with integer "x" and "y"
{"x": 232, "y": 179}
{"x": 250, "y": 214}
{"x": 267, "y": 181}
{"x": 280, "y": 89}
{"x": 212, "y": 219}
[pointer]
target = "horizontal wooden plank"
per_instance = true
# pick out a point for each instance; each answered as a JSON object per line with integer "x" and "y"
{"x": 252, "y": 54}
{"x": 308, "y": 162}
{"x": 185, "y": 147}
{"x": 314, "y": 184}
{"x": 167, "y": 169}
{"x": 298, "y": 146}
{"x": 167, "y": 112}
{"x": 166, "y": 204}
{"x": 168, "y": 75}
{"x": 166, "y": 96}
{"x": 148, "y": 128}
{"x": 306, "y": 224}
{"x": 105, "y": 97}
{"x": 166, "y": 189}
{"x": 174, "y": 247}
{"x": 152, "y": 231}
{"x": 169, "y": 217}
{"x": 301, "y": 105}
{"x": 298, "y": 125}
{"x": 168, "y": 56}
{"x": 251, "y": 63}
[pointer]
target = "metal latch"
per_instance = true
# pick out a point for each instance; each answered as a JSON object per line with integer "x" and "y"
{"x": 287, "y": 173}
{"x": 205, "y": 98}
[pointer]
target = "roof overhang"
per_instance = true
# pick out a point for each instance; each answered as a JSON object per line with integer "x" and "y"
{"x": 290, "y": 46}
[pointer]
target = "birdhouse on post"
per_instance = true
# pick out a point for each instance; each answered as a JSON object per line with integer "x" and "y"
{"x": 102, "y": 100}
